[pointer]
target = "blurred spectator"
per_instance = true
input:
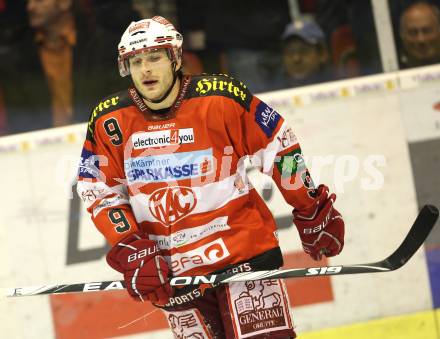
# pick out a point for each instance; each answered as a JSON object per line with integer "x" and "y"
{"x": 55, "y": 35}
{"x": 36, "y": 69}
{"x": 305, "y": 55}
{"x": 247, "y": 34}
{"x": 344, "y": 53}
{"x": 345, "y": 23}
{"x": 420, "y": 34}
{"x": 55, "y": 70}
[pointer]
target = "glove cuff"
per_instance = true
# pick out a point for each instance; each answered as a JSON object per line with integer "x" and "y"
{"x": 310, "y": 212}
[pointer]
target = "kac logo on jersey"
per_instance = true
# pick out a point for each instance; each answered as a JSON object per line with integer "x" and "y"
{"x": 168, "y": 205}
{"x": 267, "y": 118}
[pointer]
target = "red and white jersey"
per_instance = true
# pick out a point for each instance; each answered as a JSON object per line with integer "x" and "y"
{"x": 179, "y": 176}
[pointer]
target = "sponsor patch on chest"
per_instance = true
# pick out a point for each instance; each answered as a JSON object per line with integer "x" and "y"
{"x": 163, "y": 138}
{"x": 169, "y": 167}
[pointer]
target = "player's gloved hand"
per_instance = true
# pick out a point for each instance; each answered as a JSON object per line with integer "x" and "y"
{"x": 320, "y": 227}
{"x": 145, "y": 269}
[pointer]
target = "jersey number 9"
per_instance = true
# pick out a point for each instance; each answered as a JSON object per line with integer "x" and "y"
{"x": 113, "y": 130}
{"x": 118, "y": 218}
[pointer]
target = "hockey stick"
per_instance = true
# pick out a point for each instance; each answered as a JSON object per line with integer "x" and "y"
{"x": 419, "y": 231}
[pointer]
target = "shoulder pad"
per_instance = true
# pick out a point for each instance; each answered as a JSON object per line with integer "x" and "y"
{"x": 220, "y": 84}
{"x": 107, "y": 105}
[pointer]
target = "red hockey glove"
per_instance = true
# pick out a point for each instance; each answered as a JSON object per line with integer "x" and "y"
{"x": 321, "y": 227}
{"x": 145, "y": 269}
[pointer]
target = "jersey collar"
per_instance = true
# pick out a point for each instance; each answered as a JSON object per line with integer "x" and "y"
{"x": 140, "y": 104}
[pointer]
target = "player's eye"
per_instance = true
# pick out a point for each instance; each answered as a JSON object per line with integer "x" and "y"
{"x": 154, "y": 57}
{"x": 136, "y": 61}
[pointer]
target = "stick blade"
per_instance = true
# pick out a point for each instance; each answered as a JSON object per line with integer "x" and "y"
{"x": 418, "y": 233}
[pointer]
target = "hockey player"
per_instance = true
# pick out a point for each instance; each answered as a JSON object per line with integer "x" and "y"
{"x": 163, "y": 178}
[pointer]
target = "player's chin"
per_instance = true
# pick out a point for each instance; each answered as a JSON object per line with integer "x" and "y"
{"x": 152, "y": 94}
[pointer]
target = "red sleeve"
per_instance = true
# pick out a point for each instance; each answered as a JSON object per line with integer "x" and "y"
{"x": 261, "y": 133}
{"x": 101, "y": 185}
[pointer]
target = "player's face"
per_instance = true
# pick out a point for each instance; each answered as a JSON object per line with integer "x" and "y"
{"x": 420, "y": 34}
{"x": 152, "y": 73}
{"x": 302, "y": 59}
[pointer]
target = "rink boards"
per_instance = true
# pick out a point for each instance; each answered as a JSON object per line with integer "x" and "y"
{"x": 373, "y": 140}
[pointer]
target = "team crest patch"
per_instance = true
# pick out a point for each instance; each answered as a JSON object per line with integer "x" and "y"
{"x": 169, "y": 205}
{"x": 267, "y": 118}
{"x": 89, "y": 165}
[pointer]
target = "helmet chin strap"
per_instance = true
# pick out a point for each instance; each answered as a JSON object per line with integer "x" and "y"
{"x": 167, "y": 93}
